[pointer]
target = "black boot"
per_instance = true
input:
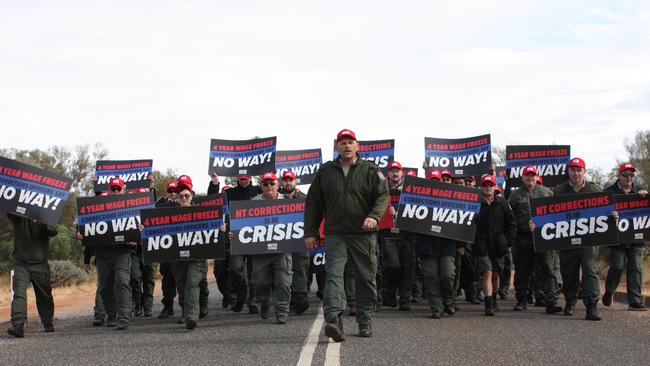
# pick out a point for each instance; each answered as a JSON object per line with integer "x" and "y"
{"x": 521, "y": 303}
{"x": 300, "y": 302}
{"x": 569, "y": 308}
{"x": 592, "y": 312}
{"x": 334, "y": 329}
{"x": 489, "y": 307}
{"x": 494, "y": 302}
{"x": 166, "y": 312}
{"x": 16, "y": 331}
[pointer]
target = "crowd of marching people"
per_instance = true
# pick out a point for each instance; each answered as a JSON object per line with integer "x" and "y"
{"x": 370, "y": 263}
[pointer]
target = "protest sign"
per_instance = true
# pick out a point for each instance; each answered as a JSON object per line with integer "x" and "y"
{"x": 471, "y": 156}
{"x": 181, "y": 233}
{"x": 634, "y": 218}
{"x": 134, "y": 173}
{"x": 573, "y": 221}
{"x": 242, "y": 157}
{"x": 550, "y": 161}
{"x": 31, "y": 192}
{"x": 440, "y": 209}
{"x": 304, "y": 163}
{"x": 380, "y": 152}
{"x": 267, "y": 226}
{"x": 113, "y": 219}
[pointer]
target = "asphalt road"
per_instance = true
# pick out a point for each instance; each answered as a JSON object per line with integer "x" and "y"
{"x": 400, "y": 338}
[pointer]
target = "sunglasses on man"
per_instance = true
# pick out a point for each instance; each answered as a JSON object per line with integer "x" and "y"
{"x": 268, "y": 184}
{"x": 116, "y": 189}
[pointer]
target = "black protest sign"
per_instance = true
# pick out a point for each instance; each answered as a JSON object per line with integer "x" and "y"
{"x": 550, "y": 161}
{"x": 464, "y": 157}
{"x": 440, "y": 209}
{"x": 217, "y": 199}
{"x": 134, "y": 173}
{"x": 633, "y": 218}
{"x": 380, "y": 152}
{"x": 242, "y": 157}
{"x": 267, "y": 226}
{"x": 317, "y": 260}
{"x": 32, "y": 192}
{"x": 304, "y": 163}
{"x": 573, "y": 221}
{"x": 181, "y": 233}
{"x": 113, "y": 219}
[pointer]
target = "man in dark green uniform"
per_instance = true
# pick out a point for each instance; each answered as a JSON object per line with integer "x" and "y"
{"x": 524, "y": 253}
{"x": 114, "y": 273}
{"x": 300, "y": 261}
{"x": 167, "y": 281}
{"x": 583, "y": 260}
{"x": 31, "y": 243}
{"x": 352, "y": 195}
{"x": 632, "y": 252}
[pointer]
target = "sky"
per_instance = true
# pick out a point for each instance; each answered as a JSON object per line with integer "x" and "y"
{"x": 159, "y": 79}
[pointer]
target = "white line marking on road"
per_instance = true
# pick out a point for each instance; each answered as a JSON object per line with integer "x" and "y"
{"x": 307, "y": 353}
{"x": 333, "y": 353}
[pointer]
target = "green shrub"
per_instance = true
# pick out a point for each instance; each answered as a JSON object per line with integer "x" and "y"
{"x": 65, "y": 273}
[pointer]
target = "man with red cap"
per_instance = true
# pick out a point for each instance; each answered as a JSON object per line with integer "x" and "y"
{"x": 300, "y": 261}
{"x": 524, "y": 252}
{"x": 352, "y": 195}
{"x": 632, "y": 252}
{"x": 114, "y": 273}
{"x": 398, "y": 250}
{"x": 241, "y": 267}
{"x": 574, "y": 262}
{"x": 272, "y": 272}
{"x": 496, "y": 230}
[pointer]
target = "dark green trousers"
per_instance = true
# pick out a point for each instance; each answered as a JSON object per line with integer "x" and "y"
{"x": 525, "y": 260}
{"x": 189, "y": 275}
{"x": 438, "y": 280}
{"x": 300, "y": 268}
{"x": 114, "y": 275}
{"x": 360, "y": 250}
{"x": 167, "y": 284}
{"x": 634, "y": 274}
{"x": 39, "y": 276}
{"x": 399, "y": 266}
{"x": 272, "y": 273}
{"x": 572, "y": 263}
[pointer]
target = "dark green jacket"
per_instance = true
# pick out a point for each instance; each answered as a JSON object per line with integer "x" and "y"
{"x": 31, "y": 241}
{"x": 520, "y": 204}
{"x": 345, "y": 201}
{"x": 565, "y": 188}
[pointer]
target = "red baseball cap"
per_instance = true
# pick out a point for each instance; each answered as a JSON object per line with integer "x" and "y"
{"x": 446, "y": 172}
{"x": 434, "y": 174}
{"x": 268, "y": 176}
{"x": 488, "y": 178}
{"x": 289, "y": 174}
{"x": 116, "y": 182}
{"x": 411, "y": 173}
{"x": 345, "y": 133}
{"x": 577, "y": 162}
{"x": 395, "y": 165}
{"x": 224, "y": 188}
{"x": 540, "y": 180}
{"x": 244, "y": 177}
{"x": 626, "y": 166}
{"x": 142, "y": 190}
{"x": 184, "y": 181}
{"x": 171, "y": 187}
{"x": 529, "y": 170}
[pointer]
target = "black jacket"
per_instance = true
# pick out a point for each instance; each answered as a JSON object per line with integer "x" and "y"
{"x": 496, "y": 229}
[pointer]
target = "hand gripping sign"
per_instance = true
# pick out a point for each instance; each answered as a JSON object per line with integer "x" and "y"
{"x": 32, "y": 192}
{"x": 573, "y": 221}
{"x": 439, "y": 209}
{"x": 267, "y": 226}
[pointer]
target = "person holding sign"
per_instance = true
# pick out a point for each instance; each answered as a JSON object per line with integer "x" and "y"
{"x": 496, "y": 231}
{"x": 272, "y": 272}
{"x": 189, "y": 274}
{"x": 167, "y": 282}
{"x": 573, "y": 262}
{"x": 300, "y": 261}
{"x": 352, "y": 195}
{"x": 632, "y": 252}
{"x": 114, "y": 272}
{"x": 524, "y": 253}
{"x": 31, "y": 245}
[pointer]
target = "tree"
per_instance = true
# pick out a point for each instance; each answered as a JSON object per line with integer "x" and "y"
{"x": 161, "y": 179}
{"x": 638, "y": 151}
{"x": 498, "y": 155}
